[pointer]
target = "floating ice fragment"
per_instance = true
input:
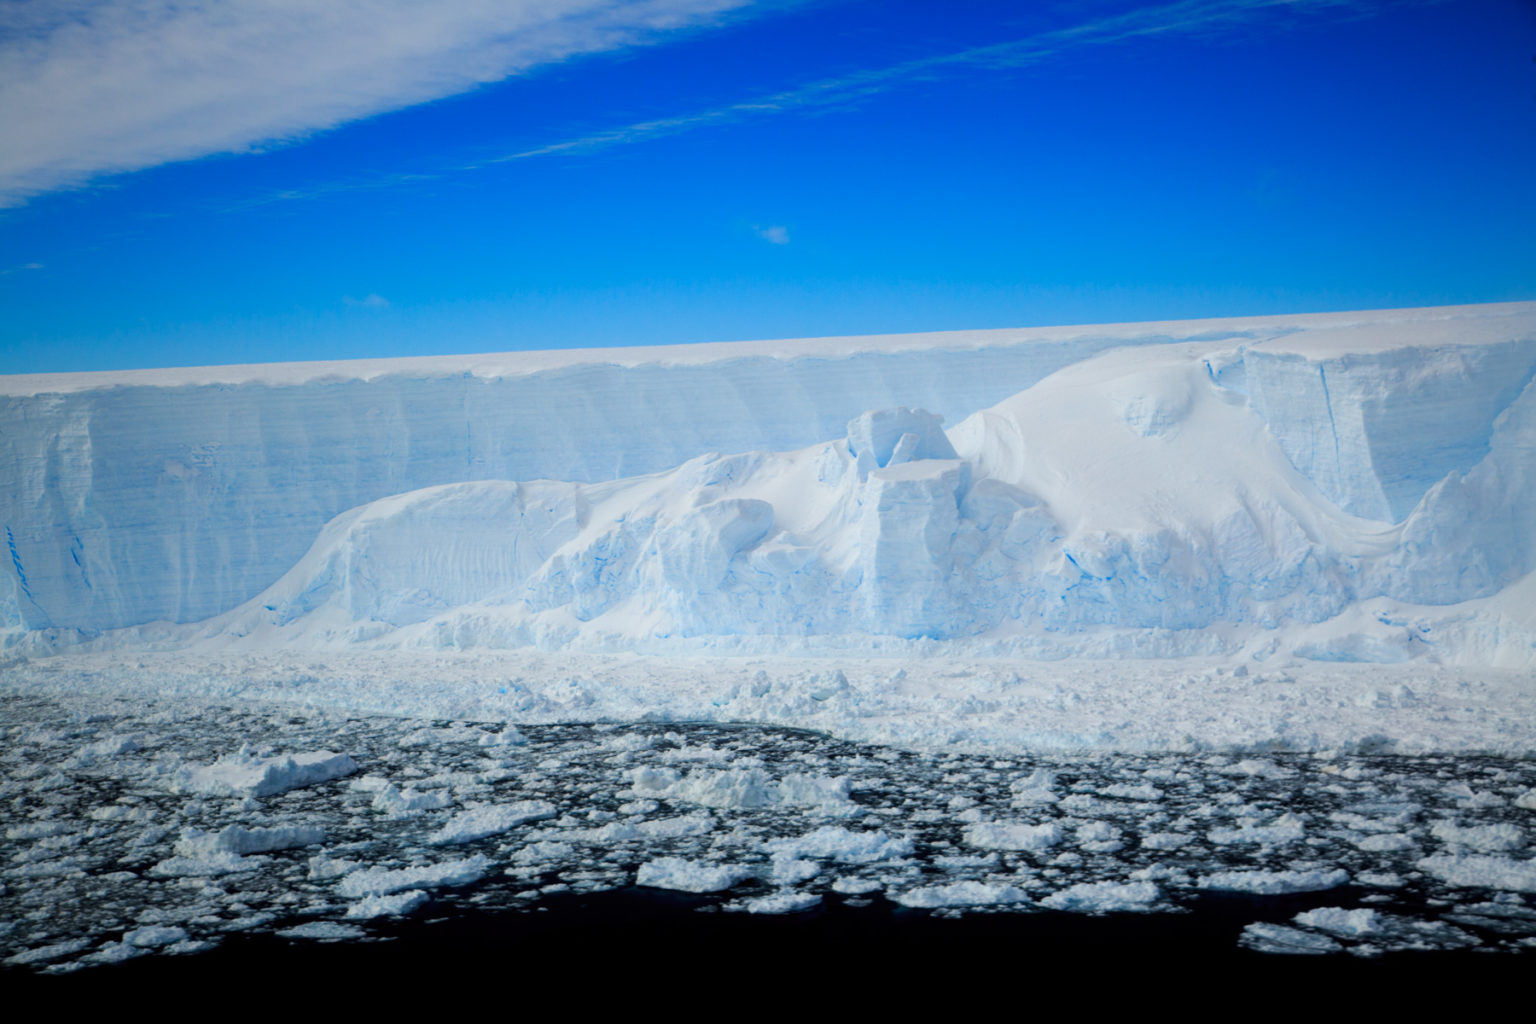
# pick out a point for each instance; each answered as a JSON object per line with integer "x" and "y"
{"x": 322, "y": 931}
{"x": 381, "y": 881}
{"x": 1104, "y": 897}
{"x": 846, "y": 846}
{"x": 1384, "y": 842}
{"x": 962, "y": 894}
{"x": 1263, "y": 937}
{"x": 1269, "y": 883}
{"x": 399, "y": 803}
{"x": 685, "y": 875}
{"x": 1288, "y": 828}
{"x": 1483, "y": 872}
{"x": 744, "y": 789}
{"x": 1011, "y": 836}
{"x": 784, "y": 902}
{"x": 490, "y": 820}
{"x": 1337, "y": 921}
{"x": 244, "y": 774}
{"x": 205, "y": 865}
{"x": 235, "y": 839}
{"x": 387, "y": 906}
{"x": 43, "y": 954}
{"x": 1165, "y": 840}
{"x": 1489, "y": 838}
{"x": 154, "y": 935}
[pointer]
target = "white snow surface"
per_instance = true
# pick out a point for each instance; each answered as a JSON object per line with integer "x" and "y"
{"x": 1323, "y": 525}
{"x": 1366, "y": 473}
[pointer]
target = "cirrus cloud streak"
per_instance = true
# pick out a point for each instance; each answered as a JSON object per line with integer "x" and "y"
{"x": 95, "y": 87}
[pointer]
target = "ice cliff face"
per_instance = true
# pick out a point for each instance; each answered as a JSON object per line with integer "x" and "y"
{"x": 1260, "y": 474}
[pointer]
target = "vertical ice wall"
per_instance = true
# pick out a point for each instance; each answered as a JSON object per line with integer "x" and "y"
{"x": 162, "y": 496}
{"x": 1375, "y": 430}
{"x": 135, "y": 502}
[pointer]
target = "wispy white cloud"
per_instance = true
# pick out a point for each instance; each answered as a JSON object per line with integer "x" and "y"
{"x": 369, "y": 301}
{"x": 774, "y": 234}
{"x": 1181, "y": 17}
{"x": 89, "y": 87}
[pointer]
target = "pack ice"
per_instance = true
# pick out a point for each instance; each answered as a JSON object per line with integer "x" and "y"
{"x": 1340, "y": 487}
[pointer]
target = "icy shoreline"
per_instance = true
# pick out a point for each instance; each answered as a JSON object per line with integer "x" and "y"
{"x": 956, "y": 703}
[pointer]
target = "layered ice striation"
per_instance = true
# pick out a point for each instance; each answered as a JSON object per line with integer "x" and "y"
{"x": 1260, "y": 474}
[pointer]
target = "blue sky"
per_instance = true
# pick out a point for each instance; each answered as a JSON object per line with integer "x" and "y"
{"x": 399, "y": 179}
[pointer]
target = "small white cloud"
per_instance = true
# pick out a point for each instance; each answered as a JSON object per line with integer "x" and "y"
{"x": 369, "y": 301}
{"x": 774, "y": 234}
{"x": 24, "y": 266}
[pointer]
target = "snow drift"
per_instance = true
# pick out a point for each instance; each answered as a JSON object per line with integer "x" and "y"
{"x": 1346, "y": 487}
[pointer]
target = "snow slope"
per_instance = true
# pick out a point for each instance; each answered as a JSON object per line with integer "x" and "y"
{"x": 1342, "y": 487}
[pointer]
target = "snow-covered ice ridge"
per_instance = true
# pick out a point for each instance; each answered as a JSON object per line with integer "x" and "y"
{"x": 1338, "y": 487}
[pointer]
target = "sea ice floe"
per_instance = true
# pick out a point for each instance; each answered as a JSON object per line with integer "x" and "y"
{"x": 205, "y": 865}
{"x": 1482, "y": 872}
{"x": 783, "y": 902}
{"x": 1384, "y": 842}
{"x": 244, "y": 774}
{"x": 1341, "y": 922}
{"x": 238, "y": 840}
{"x": 322, "y": 931}
{"x": 382, "y": 881}
{"x": 489, "y": 820}
{"x": 846, "y": 846}
{"x": 1264, "y": 937}
{"x": 1271, "y": 883}
{"x": 1288, "y": 828}
{"x": 392, "y": 800}
{"x": 744, "y": 789}
{"x": 962, "y": 894}
{"x": 387, "y": 905}
{"x": 155, "y": 935}
{"x": 1488, "y": 838}
{"x": 686, "y": 875}
{"x": 1165, "y": 840}
{"x": 1104, "y": 897}
{"x": 1014, "y": 836}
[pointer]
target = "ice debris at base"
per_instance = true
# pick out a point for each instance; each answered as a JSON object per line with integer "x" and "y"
{"x": 383, "y": 881}
{"x": 237, "y": 840}
{"x": 398, "y": 903}
{"x": 937, "y": 831}
{"x": 788, "y": 902}
{"x": 1351, "y": 488}
{"x": 1472, "y": 871}
{"x": 322, "y": 931}
{"x": 690, "y": 875}
{"x": 1263, "y": 937}
{"x": 1104, "y": 897}
{"x": 490, "y": 820}
{"x": 245, "y": 774}
{"x": 1270, "y": 883}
